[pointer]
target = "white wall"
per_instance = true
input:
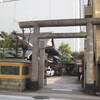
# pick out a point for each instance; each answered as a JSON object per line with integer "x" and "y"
{"x": 26, "y": 10}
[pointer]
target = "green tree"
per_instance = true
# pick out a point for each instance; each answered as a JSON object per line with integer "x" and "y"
{"x": 9, "y": 45}
{"x": 4, "y": 43}
{"x": 78, "y": 55}
{"x": 20, "y": 44}
{"x": 65, "y": 51}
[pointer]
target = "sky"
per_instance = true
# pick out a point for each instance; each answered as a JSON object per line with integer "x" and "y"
{"x": 30, "y": 10}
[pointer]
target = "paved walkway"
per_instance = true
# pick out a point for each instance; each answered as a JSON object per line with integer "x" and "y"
{"x": 63, "y": 84}
{"x": 9, "y": 97}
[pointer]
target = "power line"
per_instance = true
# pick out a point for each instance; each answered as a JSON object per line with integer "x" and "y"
{"x": 6, "y": 1}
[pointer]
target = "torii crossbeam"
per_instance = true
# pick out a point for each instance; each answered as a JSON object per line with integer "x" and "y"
{"x": 60, "y": 22}
{"x": 88, "y": 22}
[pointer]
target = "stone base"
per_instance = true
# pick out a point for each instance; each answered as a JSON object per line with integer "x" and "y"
{"x": 12, "y": 84}
{"x": 90, "y": 88}
{"x": 18, "y": 85}
{"x": 35, "y": 85}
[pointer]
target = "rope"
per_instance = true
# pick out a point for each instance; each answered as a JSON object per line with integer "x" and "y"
{"x": 90, "y": 2}
{"x": 29, "y": 35}
{"x": 23, "y": 37}
{"x": 23, "y": 34}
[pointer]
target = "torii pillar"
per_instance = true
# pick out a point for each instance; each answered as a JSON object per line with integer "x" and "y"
{"x": 41, "y": 71}
{"x": 35, "y": 58}
{"x": 90, "y": 59}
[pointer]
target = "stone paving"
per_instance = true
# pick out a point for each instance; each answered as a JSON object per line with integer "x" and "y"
{"x": 63, "y": 84}
{"x": 66, "y": 83}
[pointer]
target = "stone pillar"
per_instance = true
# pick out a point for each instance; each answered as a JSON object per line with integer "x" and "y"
{"x": 35, "y": 56}
{"x": 85, "y": 60}
{"x": 42, "y": 64}
{"x": 90, "y": 59}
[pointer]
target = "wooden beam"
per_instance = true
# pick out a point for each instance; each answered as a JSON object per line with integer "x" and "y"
{"x": 63, "y": 35}
{"x": 57, "y": 23}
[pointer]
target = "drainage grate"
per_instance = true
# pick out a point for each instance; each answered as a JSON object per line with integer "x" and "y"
{"x": 41, "y": 97}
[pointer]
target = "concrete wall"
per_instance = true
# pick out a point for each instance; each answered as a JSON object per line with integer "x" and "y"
{"x": 96, "y": 14}
{"x": 97, "y": 43}
{"x": 96, "y": 7}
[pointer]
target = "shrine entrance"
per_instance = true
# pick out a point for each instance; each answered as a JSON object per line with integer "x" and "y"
{"x": 38, "y": 50}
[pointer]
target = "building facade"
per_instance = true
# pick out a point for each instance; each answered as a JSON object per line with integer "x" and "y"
{"x": 92, "y": 10}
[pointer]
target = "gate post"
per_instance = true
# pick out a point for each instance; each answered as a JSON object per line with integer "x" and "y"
{"x": 90, "y": 59}
{"x": 41, "y": 64}
{"x": 35, "y": 56}
{"x": 85, "y": 60}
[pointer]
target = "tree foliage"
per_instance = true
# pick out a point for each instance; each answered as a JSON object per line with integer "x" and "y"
{"x": 78, "y": 55}
{"x": 4, "y": 43}
{"x": 9, "y": 45}
{"x": 65, "y": 51}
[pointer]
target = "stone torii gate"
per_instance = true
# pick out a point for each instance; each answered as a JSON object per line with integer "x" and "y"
{"x": 37, "y": 56}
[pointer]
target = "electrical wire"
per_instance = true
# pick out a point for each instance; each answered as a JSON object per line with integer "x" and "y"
{"x": 5, "y": 1}
{"x": 80, "y": 15}
{"x": 50, "y": 16}
{"x": 81, "y": 8}
{"x": 75, "y": 26}
{"x": 50, "y": 4}
{"x": 14, "y": 15}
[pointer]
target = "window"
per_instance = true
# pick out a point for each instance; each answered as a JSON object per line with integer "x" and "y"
{"x": 9, "y": 70}
{"x": 25, "y": 71}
